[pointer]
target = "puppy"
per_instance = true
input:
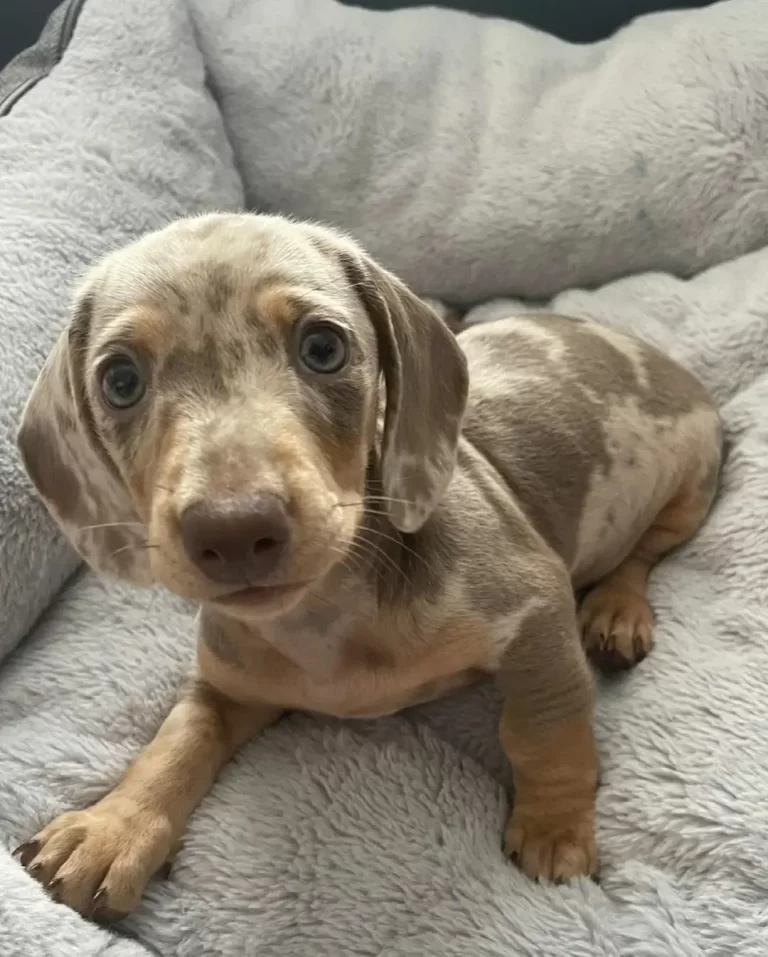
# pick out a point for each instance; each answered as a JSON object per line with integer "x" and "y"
{"x": 369, "y": 511}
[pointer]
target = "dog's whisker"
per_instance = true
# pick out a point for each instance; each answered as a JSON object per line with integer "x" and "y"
{"x": 136, "y": 547}
{"x": 322, "y": 598}
{"x": 397, "y": 541}
{"x": 375, "y": 553}
{"x": 90, "y": 528}
{"x": 379, "y": 556}
{"x": 350, "y": 558}
{"x": 385, "y": 499}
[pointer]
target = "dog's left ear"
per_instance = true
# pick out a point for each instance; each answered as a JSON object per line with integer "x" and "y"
{"x": 426, "y": 378}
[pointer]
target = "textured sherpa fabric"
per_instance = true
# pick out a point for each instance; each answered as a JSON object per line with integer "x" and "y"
{"x": 121, "y": 137}
{"x": 29, "y": 927}
{"x": 477, "y": 157}
{"x": 325, "y": 838}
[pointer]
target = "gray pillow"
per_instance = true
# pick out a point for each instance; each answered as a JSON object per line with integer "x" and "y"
{"x": 479, "y": 157}
{"x": 120, "y": 137}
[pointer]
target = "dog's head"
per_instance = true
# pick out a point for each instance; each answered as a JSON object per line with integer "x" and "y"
{"x": 208, "y": 419}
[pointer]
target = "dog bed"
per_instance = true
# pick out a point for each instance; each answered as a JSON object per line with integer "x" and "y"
{"x": 625, "y": 180}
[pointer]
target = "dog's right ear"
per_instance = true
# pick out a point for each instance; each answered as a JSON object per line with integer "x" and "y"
{"x": 66, "y": 459}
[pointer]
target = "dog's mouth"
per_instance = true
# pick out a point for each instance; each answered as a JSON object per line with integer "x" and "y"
{"x": 256, "y": 596}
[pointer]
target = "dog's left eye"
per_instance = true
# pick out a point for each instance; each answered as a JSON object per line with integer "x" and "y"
{"x": 323, "y": 348}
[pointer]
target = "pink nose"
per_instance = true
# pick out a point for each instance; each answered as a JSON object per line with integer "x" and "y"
{"x": 237, "y": 541}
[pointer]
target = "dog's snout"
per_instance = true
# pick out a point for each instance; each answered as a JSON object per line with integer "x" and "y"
{"x": 236, "y": 542}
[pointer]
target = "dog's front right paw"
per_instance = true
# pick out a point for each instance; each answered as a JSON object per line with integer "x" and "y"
{"x": 99, "y": 861}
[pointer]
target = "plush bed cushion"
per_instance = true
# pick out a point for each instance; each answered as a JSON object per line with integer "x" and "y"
{"x": 479, "y": 158}
{"x": 119, "y": 138}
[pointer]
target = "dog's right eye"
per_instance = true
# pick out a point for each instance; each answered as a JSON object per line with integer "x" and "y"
{"x": 122, "y": 383}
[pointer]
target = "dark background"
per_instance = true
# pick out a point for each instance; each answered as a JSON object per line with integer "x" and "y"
{"x": 576, "y": 20}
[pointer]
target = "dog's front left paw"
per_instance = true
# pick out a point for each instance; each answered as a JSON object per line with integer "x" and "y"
{"x": 99, "y": 861}
{"x": 554, "y": 847}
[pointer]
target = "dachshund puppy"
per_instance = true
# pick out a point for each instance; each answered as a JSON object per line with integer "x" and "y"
{"x": 370, "y": 512}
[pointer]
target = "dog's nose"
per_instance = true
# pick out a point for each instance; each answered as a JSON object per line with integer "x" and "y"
{"x": 236, "y": 542}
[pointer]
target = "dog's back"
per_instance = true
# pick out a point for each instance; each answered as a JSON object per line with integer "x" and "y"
{"x": 594, "y": 431}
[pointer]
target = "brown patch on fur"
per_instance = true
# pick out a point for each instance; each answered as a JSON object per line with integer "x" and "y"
{"x": 341, "y": 414}
{"x": 55, "y": 480}
{"x": 546, "y": 732}
{"x": 291, "y": 453}
{"x": 346, "y": 461}
{"x": 152, "y": 457}
{"x": 220, "y": 287}
{"x": 670, "y": 390}
{"x": 150, "y": 331}
{"x": 274, "y": 303}
{"x": 360, "y": 655}
{"x": 551, "y": 830}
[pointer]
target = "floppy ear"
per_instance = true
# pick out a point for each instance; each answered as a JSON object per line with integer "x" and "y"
{"x": 66, "y": 459}
{"x": 426, "y": 378}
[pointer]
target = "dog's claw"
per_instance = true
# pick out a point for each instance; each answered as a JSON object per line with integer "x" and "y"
{"x": 53, "y": 887}
{"x": 638, "y": 649}
{"x": 26, "y": 852}
{"x": 101, "y": 912}
{"x": 99, "y": 898}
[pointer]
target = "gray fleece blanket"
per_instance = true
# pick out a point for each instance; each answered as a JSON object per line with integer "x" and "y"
{"x": 627, "y": 181}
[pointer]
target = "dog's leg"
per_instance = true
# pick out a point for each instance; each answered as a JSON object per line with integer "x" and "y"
{"x": 98, "y": 861}
{"x": 546, "y": 732}
{"x": 615, "y": 617}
